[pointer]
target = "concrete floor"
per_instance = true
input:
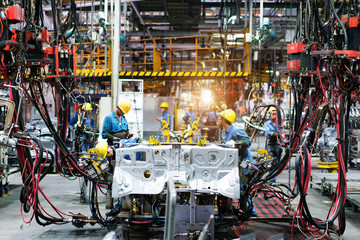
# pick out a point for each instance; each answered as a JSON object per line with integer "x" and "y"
{"x": 65, "y": 195}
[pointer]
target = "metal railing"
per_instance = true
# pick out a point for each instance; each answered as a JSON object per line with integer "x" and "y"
{"x": 202, "y": 53}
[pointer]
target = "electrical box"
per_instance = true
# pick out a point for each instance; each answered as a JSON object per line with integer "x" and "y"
{"x": 300, "y": 58}
{"x": 15, "y": 14}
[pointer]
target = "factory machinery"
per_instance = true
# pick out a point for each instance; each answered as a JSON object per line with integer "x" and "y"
{"x": 185, "y": 190}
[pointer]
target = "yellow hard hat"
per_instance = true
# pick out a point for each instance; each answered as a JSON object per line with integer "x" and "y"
{"x": 229, "y": 115}
{"x": 271, "y": 109}
{"x": 164, "y": 105}
{"x": 191, "y": 105}
{"x": 87, "y": 107}
{"x": 102, "y": 148}
{"x": 124, "y": 106}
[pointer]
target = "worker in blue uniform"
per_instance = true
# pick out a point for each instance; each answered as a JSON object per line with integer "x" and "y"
{"x": 189, "y": 116}
{"x": 210, "y": 123}
{"x": 238, "y": 135}
{"x": 115, "y": 126}
{"x": 272, "y": 146}
{"x": 225, "y": 121}
{"x": 79, "y": 126}
{"x": 164, "y": 107}
{"x": 212, "y": 116}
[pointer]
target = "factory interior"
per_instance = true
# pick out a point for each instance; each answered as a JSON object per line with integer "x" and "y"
{"x": 179, "y": 119}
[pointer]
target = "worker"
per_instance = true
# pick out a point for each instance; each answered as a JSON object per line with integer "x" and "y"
{"x": 115, "y": 126}
{"x": 79, "y": 127}
{"x": 189, "y": 117}
{"x": 211, "y": 120}
{"x": 105, "y": 151}
{"x": 225, "y": 121}
{"x": 272, "y": 145}
{"x": 223, "y": 107}
{"x": 212, "y": 115}
{"x": 109, "y": 152}
{"x": 234, "y": 133}
{"x": 164, "y": 107}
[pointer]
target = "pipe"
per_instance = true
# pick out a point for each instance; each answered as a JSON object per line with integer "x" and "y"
{"x": 140, "y": 18}
{"x": 125, "y": 18}
{"x": 116, "y": 54}
{"x": 92, "y": 19}
{"x": 137, "y": 13}
{"x": 261, "y": 13}
{"x": 242, "y": 4}
{"x": 106, "y": 20}
{"x": 250, "y": 30}
{"x": 246, "y": 13}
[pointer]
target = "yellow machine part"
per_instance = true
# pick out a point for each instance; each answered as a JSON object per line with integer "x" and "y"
{"x": 330, "y": 166}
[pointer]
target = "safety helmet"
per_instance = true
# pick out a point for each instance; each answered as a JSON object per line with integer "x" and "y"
{"x": 164, "y": 105}
{"x": 87, "y": 107}
{"x": 271, "y": 109}
{"x": 191, "y": 105}
{"x": 124, "y": 106}
{"x": 102, "y": 148}
{"x": 229, "y": 115}
{"x": 223, "y": 106}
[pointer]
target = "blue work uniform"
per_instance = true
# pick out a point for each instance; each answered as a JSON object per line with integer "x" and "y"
{"x": 166, "y": 117}
{"x": 212, "y": 117}
{"x": 112, "y": 124}
{"x": 88, "y": 124}
{"x": 272, "y": 145}
{"x": 189, "y": 115}
{"x": 235, "y": 133}
{"x": 270, "y": 128}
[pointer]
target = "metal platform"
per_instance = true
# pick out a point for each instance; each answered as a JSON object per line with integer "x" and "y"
{"x": 273, "y": 219}
{"x": 327, "y": 182}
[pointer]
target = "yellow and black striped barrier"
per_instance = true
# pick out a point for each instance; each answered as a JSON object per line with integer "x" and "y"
{"x": 166, "y": 75}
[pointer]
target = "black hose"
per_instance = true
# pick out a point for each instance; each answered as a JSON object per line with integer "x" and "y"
{"x": 323, "y": 32}
{"x": 341, "y": 24}
{"x": 57, "y": 138}
{"x": 347, "y": 135}
{"x": 53, "y": 10}
{"x": 307, "y": 18}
